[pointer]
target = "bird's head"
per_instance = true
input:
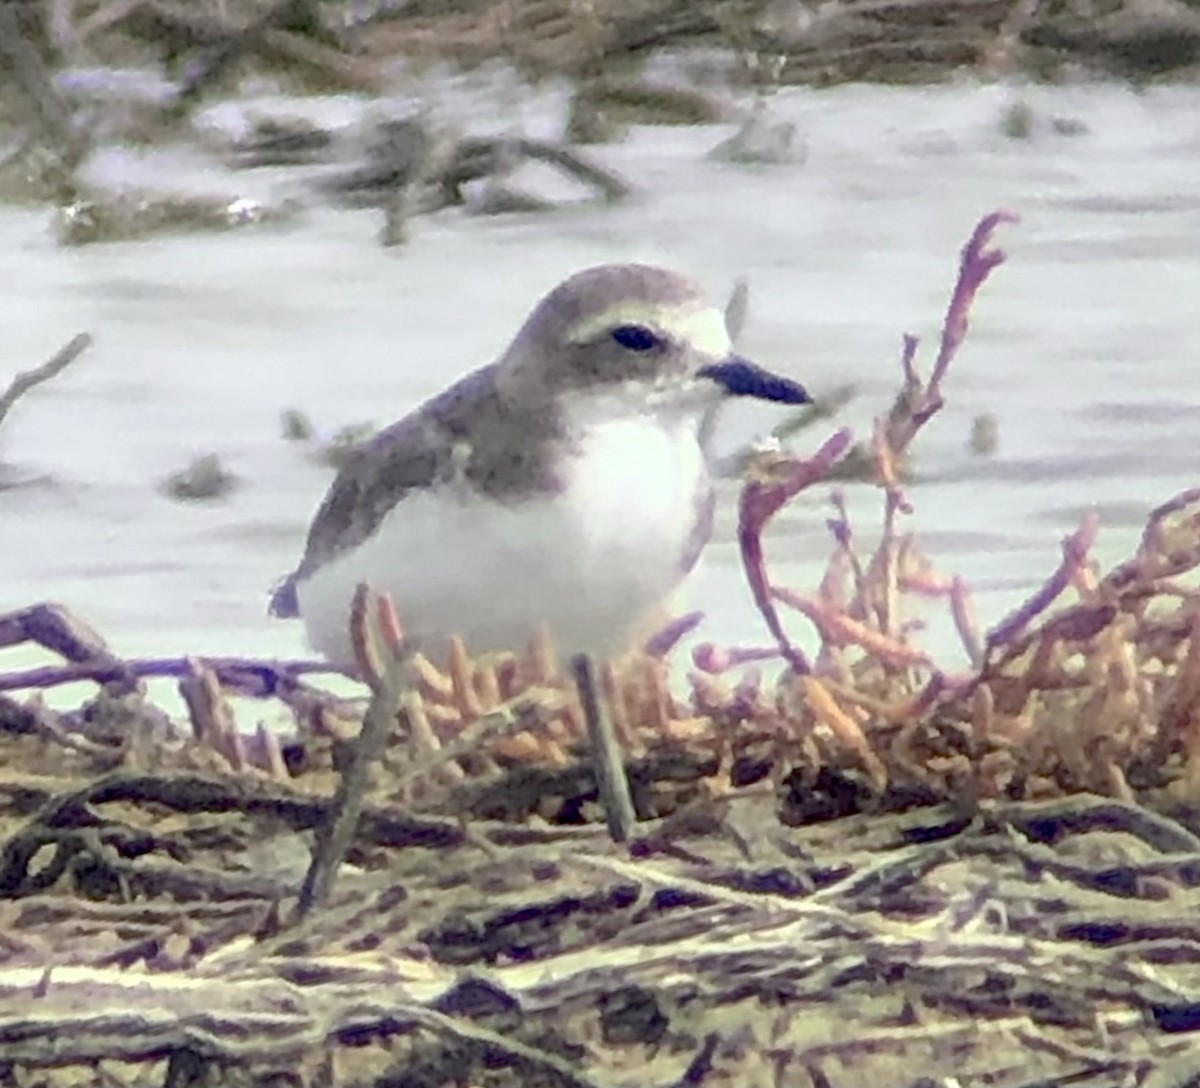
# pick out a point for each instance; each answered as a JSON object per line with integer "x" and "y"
{"x": 629, "y": 338}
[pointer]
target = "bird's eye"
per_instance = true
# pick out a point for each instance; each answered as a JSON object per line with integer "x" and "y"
{"x": 636, "y": 337}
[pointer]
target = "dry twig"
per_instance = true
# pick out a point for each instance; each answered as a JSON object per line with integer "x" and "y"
{"x": 30, "y": 379}
{"x": 383, "y": 659}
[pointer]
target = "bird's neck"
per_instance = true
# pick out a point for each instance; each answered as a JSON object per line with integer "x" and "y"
{"x": 581, "y": 414}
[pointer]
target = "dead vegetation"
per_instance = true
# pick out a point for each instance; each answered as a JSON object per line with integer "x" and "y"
{"x": 212, "y": 49}
{"x": 352, "y": 46}
{"x": 867, "y": 870}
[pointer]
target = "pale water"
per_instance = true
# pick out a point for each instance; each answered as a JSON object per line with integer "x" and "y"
{"x": 1083, "y": 345}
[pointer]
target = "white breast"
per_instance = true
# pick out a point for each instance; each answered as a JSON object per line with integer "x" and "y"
{"x": 590, "y": 561}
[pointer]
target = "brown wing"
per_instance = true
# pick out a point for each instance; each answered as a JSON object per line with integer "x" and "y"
{"x": 501, "y": 454}
{"x": 412, "y": 453}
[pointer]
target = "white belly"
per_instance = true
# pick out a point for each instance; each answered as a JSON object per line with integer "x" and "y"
{"x": 590, "y": 562}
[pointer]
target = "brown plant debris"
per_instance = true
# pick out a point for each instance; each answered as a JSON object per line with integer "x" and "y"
{"x": 790, "y": 43}
{"x": 868, "y": 870}
{"x": 354, "y": 46}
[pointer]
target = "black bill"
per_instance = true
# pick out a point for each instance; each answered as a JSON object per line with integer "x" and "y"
{"x": 742, "y": 378}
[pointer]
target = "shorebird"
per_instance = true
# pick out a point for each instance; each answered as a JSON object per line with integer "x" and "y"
{"x": 566, "y": 484}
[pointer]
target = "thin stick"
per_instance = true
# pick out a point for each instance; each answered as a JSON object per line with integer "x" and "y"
{"x": 28, "y": 379}
{"x": 374, "y": 643}
{"x": 256, "y": 677}
{"x": 606, "y": 753}
{"x": 334, "y": 837}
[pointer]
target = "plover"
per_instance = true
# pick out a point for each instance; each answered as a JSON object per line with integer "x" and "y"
{"x": 564, "y": 484}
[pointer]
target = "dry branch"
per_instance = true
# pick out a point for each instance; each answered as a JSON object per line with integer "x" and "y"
{"x": 48, "y": 115}
{"x": 30, "y": 379}
{"x": 383, "y": 660}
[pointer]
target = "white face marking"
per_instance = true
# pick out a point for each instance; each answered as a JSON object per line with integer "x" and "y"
{"x": 702, "y": 330}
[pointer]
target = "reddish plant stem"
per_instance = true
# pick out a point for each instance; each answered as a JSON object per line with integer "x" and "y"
{"x": 246, "y": 676}
{"x": 976, "y": 264}
{"x": 1075, "y": 550}
{"x": 761, "y": 500}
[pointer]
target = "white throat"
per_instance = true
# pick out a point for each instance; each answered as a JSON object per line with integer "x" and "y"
{"x": 671, "y": 404}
